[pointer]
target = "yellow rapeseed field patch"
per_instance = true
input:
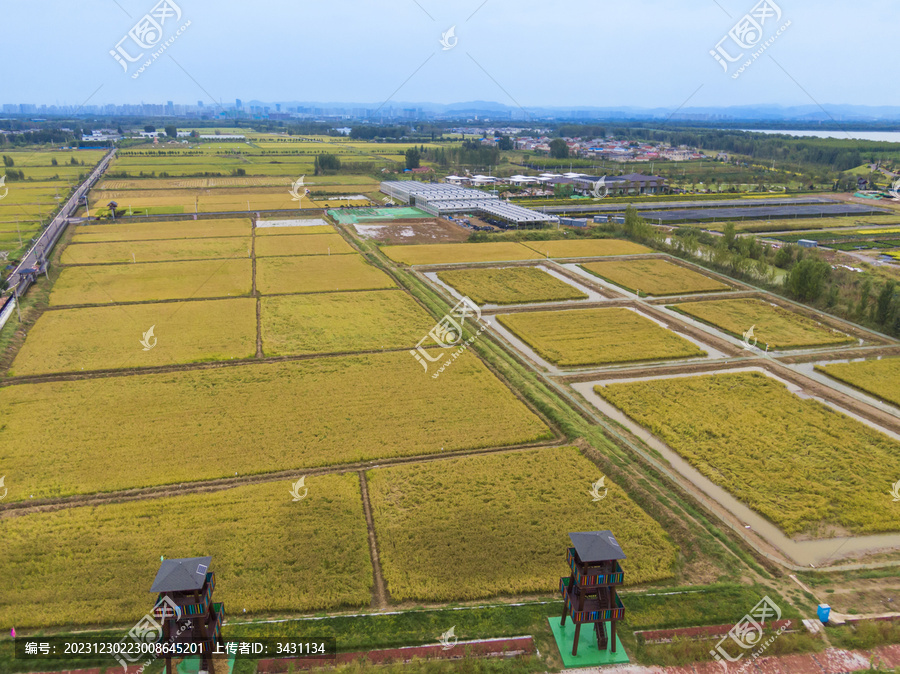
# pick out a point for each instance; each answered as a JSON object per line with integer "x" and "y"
{"x": 96, "y": 564}
{"x": 581, "y": 337}
{"x": 70, "y": 437}
{"x": 302, "y": 244}
{"x": 774, "y": 325}
{"x": 342, "y": 322}
{"x": 107, "y": 284}
{"x": 881, "y": 378}
{"x": 453, "y": 253}
{"x": 318, "y": 273}
{"x": 797, "y": 462}
{"x": 654, "y": 277}
{"x": 512, "y": 285}
{"x": 99, "y": 338}
{"x": 156, "y": 251}
{"x": 483, "y": 526}
{"x": 171, "y": 229}
{"x": 586, "y": 248}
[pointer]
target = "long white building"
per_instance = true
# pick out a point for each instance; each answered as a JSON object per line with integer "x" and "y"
{"x": 442, "y": 199}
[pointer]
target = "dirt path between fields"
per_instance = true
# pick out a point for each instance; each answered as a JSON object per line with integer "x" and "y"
{"x": 380, "y": 598}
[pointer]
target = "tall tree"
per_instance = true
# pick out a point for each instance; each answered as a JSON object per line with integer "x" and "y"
{"x": 559, "y": 149}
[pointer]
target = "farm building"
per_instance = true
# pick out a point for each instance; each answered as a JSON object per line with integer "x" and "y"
{"x": 632, "y": 183}
{"x": 807, "y": 243}
{"x": 443, "y": 199}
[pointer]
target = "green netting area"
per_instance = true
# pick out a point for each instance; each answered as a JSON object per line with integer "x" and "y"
{"x": 351, "y": 216}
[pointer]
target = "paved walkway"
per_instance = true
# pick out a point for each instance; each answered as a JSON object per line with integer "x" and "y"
{"x": 829, "y": 661}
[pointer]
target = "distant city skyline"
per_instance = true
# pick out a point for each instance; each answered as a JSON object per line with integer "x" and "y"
{"x": 523, "y": 54}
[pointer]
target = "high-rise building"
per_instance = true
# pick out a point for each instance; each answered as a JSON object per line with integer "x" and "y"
{"x": 238, "y": 104}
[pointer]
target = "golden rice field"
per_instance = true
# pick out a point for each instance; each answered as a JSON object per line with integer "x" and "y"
{"x": 654, "y": 277}
{"x": 116, "y": 433}
{"x": 582, "y": 337}
{"x": 773, "y": 325}
{"x": 154, "y": 281}
{"x": 797, "y": 462}
{"x": 302, "y": 244}
{"x": 881, "y": 378}
{"x": 342, "y": 322}
{"x": 455, "y": 253}
{"x": 511, "y": 285}
{"x": 586, "y": 248}
{"x": 172, "y": 229}
{"x": 157, "y": 251}
{"x": 99, "y": 338}
{"x": 96, "y": 565}
{"x": 318, "y": 273}
{"x": 493, "y": 525}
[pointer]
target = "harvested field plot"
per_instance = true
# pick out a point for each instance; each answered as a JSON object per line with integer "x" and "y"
{"x": 99, "y": 338}
{"x": 654, "y": 277}
{"x": 797, "y": 462}
{"x": 172, "y": 229}
{"x": 513, "y": 285}
{"x": 489, "y": 523}
{"x": 302, "y": 244}
{"x": 152, "y": 282}
{"x": 153, "y": 429}
{"x": 776, "y": 326}
{"x": 582, "y": 337}
{"x": 341, "y": 322}
{"x": 455, "y": 253}
{"x": 414, "y": 231}
{"x": 296, "y": 226}
{"x": 156, "y": 251}
{"x": 112, "y": 552}
{"x": 881, "y": 378}
{"x": 318, "y": 273}
{"x": 586, "y": 248}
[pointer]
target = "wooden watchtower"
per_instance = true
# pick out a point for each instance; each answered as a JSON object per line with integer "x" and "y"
{"x": 590, "y": 590}
{"x": 185, "y": 607}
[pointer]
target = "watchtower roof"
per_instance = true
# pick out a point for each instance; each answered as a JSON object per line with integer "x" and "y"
{"x": 596, "y": 546}
{"x": 181, "y": 575}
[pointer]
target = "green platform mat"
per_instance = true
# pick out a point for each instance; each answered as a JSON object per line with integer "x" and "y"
{"x": 588, "y": 653}
{"x": 192, "y": 665}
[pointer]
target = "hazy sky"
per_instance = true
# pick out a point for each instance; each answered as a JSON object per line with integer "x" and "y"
{"x": 648, "y": 53}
